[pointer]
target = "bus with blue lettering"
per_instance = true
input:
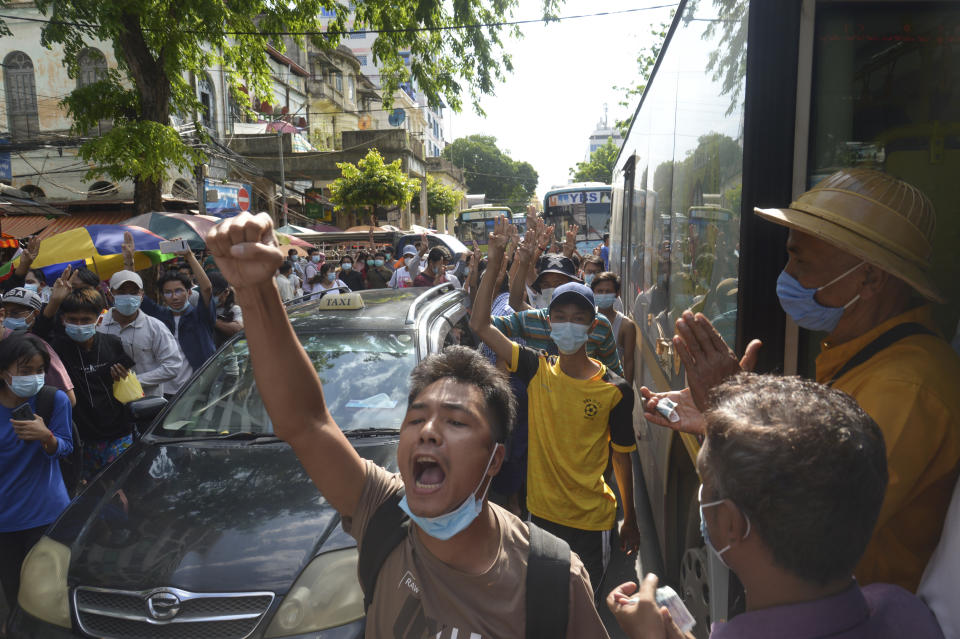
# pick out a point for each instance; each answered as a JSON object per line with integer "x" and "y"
{"x": 586, "y": 204}
{"x": 475, "y": 224}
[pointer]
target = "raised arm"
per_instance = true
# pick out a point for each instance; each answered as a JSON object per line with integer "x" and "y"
{"x": 29, "y": 254}
{"x": 203, "y": 282}
{"x": 247, "y": 255}
{"x": 480, "y": 321}
{"x": 570, "y": 243}
{"x": 518, "y": 285}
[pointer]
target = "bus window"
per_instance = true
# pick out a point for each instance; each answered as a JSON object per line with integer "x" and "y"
{"x": 895, "y": 108}
{"x": 476, "y": 224}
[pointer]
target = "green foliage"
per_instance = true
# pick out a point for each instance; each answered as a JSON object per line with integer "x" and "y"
{"x": 144, "y": 149}
{"x": 441, "y": 199}
{"x": 490, "y": 171}
{"x": 728, "y": 62}
{"x": 370, "y": 183}
{"x": 161, "y": 46}
{"x": 599, "y": 167}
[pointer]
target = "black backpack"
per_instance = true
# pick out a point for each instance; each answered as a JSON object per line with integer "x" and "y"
{"x": 548, "y": 568}
{"x": 71, "y": 466}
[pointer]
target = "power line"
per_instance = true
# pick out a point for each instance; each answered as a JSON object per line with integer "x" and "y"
{"x": 451, "y": 27}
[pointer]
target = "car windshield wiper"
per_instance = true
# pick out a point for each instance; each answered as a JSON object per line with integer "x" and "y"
{"x": 371, "y": 432}
{"x": 257, "y": 438}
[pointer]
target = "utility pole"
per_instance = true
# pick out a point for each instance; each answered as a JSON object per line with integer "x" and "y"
{"x": 423, "y": 201}
{"x": 283, "y": 181}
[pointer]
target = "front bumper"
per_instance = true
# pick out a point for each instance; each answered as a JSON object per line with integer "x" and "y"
{"x": 24, "y": 626}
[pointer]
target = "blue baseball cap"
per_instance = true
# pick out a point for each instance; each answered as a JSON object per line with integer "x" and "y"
{"x": 576, "y": 293}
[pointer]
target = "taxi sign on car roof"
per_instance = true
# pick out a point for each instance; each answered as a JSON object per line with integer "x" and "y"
{"x": 342, "y": 302}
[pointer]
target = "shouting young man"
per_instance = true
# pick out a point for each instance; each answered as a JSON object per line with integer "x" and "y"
{"x": 460, "y": 567}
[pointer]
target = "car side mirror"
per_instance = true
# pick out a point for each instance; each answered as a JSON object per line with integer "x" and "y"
{"x": 143, "y": 411}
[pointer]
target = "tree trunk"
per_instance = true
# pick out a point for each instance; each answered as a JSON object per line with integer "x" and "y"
{"x": 147, "y": 196}
{"x": 153, "y": 85}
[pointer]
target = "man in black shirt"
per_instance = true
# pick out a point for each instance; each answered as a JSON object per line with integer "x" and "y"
{"x": 94, "y": 362}
{"x": 349, "y": 276}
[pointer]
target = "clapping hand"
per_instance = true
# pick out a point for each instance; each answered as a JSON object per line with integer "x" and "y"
{"x": 246, "y": 250}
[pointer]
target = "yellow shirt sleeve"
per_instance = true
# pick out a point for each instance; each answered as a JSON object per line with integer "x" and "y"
{"x": 514, "y": 357}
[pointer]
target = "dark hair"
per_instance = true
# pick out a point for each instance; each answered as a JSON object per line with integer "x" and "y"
{"x": 380, "y": 254}
{"x": 38, "y": 273}
{"x": 438, "y": 253}
{"x": 606, "y": 236}
{"x": 592, "y": 259}
{"x": 285, "y": 267}
{"x": 325, "y": 267}
{"x": 292, "y": 251}
{"x": 88, "y": 277}
{"x": 345, "y": 257}
{"x": 468, "y": 366}
{"x": 606, "y": 276}
{"x": 312, "y": 250}
{"x": 218, "y": 283}
{"x": 83, "y": 300}
{"x": 804, "y": 462}
{"x": 174, "y": 276}
{"x": 21, "y": 348}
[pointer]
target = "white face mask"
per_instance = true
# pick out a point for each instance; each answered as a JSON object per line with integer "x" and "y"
{"x": 543, "y": 298}
{"x": 408, "y": 260}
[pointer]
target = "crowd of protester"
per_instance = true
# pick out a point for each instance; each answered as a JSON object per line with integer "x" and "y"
{"x": 826, "y": 498}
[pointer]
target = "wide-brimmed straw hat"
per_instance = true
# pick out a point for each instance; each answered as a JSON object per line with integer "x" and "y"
{"x": 873, "y": 216}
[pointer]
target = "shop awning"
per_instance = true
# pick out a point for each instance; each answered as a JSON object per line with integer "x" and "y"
{"x": 24, "y": 225}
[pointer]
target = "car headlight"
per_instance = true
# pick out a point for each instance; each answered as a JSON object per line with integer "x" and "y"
{"x": 43, "y": 582}
{"x": 326, "y": 594}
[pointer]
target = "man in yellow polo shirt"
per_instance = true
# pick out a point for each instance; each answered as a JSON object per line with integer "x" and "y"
{"x": 577, "y": 409}
{"x": 859, "y": 265}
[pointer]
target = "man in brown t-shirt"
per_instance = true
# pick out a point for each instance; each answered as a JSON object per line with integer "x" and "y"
{"x": 461, "y": 571}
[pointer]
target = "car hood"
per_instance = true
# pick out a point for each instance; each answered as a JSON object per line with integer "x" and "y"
{"x": 203, "y": 516}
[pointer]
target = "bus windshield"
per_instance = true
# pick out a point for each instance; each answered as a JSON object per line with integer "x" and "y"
{"x": 476, "y": 224}
{"x": 587, "y": 206}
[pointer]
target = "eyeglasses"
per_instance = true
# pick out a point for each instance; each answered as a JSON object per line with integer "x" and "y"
{"x": 175, "y": 293}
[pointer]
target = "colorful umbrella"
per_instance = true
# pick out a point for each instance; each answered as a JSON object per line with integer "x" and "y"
{"x": 192, "y": 228}
{"x": 98, "y": 247}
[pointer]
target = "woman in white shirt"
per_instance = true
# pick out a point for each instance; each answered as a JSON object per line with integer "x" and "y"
{"x": 329, "y": 280}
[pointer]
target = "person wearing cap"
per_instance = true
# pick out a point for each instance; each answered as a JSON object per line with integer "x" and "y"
{"x": 149, "y": 343}
{"x": 533, "y": 325}
{"x": 577, "y": 407}
{"x": 406, "y": 273}
{"x": 859, "y": 270}
{"x": 21, "y": 307}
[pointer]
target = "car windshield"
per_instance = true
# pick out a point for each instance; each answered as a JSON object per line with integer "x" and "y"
{"x": 365, "y": 380}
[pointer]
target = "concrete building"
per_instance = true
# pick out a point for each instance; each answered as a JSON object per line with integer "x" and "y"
{"x": 602, "y": 133}
{"x": 340, "y": 97}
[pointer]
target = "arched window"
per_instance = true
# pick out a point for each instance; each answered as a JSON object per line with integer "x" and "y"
{"x": 183, "y": 190}
{"x": 102, "y": 189}
{"x": 93, "y": 67}
{"x": 21, "y": 90}
{"x": 208, "y": 101}
{"x": 351, "y": 87}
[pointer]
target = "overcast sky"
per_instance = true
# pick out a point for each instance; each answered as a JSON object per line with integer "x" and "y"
{"x": 563, "y": 74}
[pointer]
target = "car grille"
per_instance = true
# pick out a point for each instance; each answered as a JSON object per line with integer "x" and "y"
{"x": 168, "y": 612}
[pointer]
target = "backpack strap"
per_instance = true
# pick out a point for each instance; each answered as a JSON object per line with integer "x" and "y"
{"x": 387, "y": 528}
{"x": 548, "y": 584}
{"x": 895, "y": 334}
{"x": 45, "y": 403}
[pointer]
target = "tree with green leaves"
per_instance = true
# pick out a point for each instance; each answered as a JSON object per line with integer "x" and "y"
{"x": 491, "y": 171}
{"x": 441, "y": 199}
{"x": 161, "y": 44}
{"x": 371, "y": 183}
{"x": 599, "y": 166}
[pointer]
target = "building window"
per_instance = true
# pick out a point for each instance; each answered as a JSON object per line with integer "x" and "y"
{"x": 338, "y": 81}
{"x": 362, "y": 59}
{"x": 358, "y": 36}
{"x": 21, "y": 90}
{"x": 208, "y": 102}
{"x": 351, "y": 87}
{"x": 93, "y": 67}
{"x": 406, "y": 57}
{"x": 328, "y": 13}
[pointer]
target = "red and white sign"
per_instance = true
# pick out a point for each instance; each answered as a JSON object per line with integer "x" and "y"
{"x": 243, "y": 199}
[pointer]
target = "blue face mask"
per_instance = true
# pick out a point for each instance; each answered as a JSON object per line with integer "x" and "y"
{"x": 80, "y": 332}
{"x": 445, "y": 526}
{"x": 331, "y": 276}
{"x": 314, "y": 258}
{"x": 808, "y": 313}
{"x": 706, "y": 533}
{"x": 32, "y": 287}
{"x": 127, "y": 304}
{"x": 16, "y": 324}
{"x": 26, "y": 386}
{"x": 466, "y": 270}
{"x": 588, "y": 278}
{"x": 378, "y": 262}
{"x": 569, "y": 336}
{"x": 346, "y": 266}
{"x": 604, "y": 300}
